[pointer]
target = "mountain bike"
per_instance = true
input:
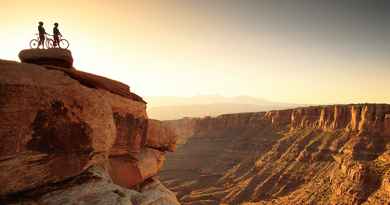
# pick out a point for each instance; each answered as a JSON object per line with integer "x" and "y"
{"x": 63, "y": 43}
{"x": 35, "y": 42}
{"x": 49, "y": 42}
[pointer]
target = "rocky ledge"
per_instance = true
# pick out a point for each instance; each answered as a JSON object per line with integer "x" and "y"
{"x": 53, "y": 56}
{"x": 70, "y": 137}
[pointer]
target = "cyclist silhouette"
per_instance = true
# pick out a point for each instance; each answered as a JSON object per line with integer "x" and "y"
{"x": 42, "y": 33}
{"x": 56, "y": 34}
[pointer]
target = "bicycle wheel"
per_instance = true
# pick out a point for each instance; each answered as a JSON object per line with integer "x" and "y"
{"x": 34, "y": 43}
{"x": 64, "y": 44}
{"x": 49, "y": 43}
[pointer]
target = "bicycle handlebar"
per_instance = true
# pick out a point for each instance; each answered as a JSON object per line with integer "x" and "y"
{"x": 37, "y": 34}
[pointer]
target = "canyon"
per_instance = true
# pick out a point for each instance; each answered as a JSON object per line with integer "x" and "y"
{"x": 71, "y": 137}
{"x": 336, "y": 154}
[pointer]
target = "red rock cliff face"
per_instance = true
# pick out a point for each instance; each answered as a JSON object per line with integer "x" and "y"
{"x": 60, "y": 127}
{"x": 337, "y": 154}
{"x": 207, "y": 126}
{"x": 361, "y": 118}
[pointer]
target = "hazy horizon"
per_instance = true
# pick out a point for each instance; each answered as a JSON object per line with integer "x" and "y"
{"x": 306, "y": 52}
{"x": 208, "y": 99}
{"x": 171, "y": 108}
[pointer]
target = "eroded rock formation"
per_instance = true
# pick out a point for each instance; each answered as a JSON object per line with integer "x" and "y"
{"x": 68, "y": 136}
{"x": 336, "y": 154}
{"x": 368, "y": 118}
{"x": 53, "y": 56}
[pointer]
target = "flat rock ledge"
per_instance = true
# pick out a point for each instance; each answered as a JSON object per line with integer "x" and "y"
{"x": 53, "y": 56}
{"x": 62, "y": 60}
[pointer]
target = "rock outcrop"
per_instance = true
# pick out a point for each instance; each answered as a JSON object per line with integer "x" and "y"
{"x": 94, "y": 186}
{"x": 57, "y": 124}
{"x": 368, "y": 118}
{"x": 336, "y": 154}
{"x": 161, "y": 137}
{"x": 53, "y": 56}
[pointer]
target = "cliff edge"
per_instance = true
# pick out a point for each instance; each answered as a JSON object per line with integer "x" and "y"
{"x": 335, "y": 154}
{"x": 70, "y": 137}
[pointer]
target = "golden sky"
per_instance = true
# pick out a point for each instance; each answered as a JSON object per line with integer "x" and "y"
{"x": 185, "y": 48}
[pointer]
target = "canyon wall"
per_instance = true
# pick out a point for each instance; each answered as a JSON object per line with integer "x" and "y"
{"x": 369, "y": 118}
{"x": 70, "y": 137}
{"x": 360, "y": 118}
{"x": 336, "y": 154}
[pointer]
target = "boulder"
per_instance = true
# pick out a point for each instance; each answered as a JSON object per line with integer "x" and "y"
{"x": 160, "y": 136}
{"x": 150, "y": 162}
{"x": 53, "y": 56}
{"x": 130, "y": 170}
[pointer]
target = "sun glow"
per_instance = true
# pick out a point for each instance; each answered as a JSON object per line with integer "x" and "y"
{"x": 159, "y": 48}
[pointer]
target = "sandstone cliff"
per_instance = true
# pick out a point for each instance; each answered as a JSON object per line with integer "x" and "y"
{"x": 70, "y": 137}
{"x": 336, "y": 154}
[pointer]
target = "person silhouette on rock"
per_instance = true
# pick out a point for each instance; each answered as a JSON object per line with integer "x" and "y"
{"x": 56, "y": 34}
{"x": 42, "y": 34}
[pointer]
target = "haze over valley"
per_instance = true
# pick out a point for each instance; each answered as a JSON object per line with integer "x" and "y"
{"x": 169, "y": 108}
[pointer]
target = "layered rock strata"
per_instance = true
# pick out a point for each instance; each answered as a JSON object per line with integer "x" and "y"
{"x": 337, "y": 154}
{"x": 56, "y": 124}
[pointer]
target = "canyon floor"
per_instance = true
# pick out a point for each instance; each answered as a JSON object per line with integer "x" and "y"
{"x": 314, "y": 155}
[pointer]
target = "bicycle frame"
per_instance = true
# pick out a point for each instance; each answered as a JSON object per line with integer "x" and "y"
{"x": 45, "y": 41}
{"x": 49, "y": 42}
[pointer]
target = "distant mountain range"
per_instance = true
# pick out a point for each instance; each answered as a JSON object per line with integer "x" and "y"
{"x": 170, "y": 107}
